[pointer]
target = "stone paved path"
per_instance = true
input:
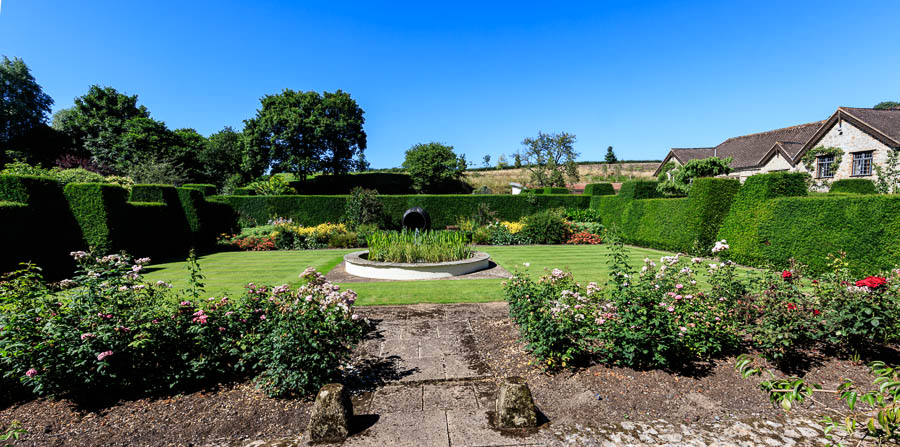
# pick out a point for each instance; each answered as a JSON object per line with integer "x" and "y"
{"x": 433, "y": 390}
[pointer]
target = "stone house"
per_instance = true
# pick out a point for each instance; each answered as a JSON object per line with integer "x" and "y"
{"x": 865, "y": 136}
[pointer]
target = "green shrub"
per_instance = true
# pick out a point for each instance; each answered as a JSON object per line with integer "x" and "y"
{"x": 17, "y": 230}
{"x": 584, "y": 215}
{"x": 427, "y": 246}
{"x": 599, "y": 189}
{"x": 245, "y": 191}
{"x": 363, "y": 208}
{"x": 854, "y": 185}
{"x": 556, "y": 190}
{"x": 192, "y": 202}
{"x": 545, "y": 227}
{"x": 206, "y": 188}
{"x": 101, "y": 214}
{"x": 78, "y": 175}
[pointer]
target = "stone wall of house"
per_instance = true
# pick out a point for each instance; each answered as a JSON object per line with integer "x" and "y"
{"x": 850, "y": 139}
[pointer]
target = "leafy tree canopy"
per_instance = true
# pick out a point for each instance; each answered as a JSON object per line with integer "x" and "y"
{"x": 884, "y": 105}
{"x": 433, "y": 165}
{"x": 305, "y": 132}
{"x": 678, "y": 181}
{"x": 221, "y": 156}
{"x": 24, "y": 112}
{"x": 550, "y": 158}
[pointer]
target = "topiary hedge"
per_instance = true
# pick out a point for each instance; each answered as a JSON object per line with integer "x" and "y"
{"x": 599, "y": 189}
{"x": 640, "y": 189}
{"x": 444, "y": 210}
{"x": 741, "y": 228}
{"x": 556, "y": 190}
{"x": 808, "y": 229}
{"x": 17, "y": 221}
{"x": 101, "y": 213}
{"x": 684, "y": 224}
{"x": 853, "y": 185}
{"x": 206, "y": 188}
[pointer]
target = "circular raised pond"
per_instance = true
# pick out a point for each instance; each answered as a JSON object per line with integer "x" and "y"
{"x": 356, "y": 264}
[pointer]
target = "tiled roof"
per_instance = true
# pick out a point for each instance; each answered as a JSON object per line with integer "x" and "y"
{"x": 685, "y": 154}
{"x": 748, "y": 150}
{"x": 885, "y": 121}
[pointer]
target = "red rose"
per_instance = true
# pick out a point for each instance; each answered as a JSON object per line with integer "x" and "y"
{"x": 791, "y": 306}
{"x": 816, "y": 312}
{"x": 872, "y": 282}
{"x": 787, "y": 274}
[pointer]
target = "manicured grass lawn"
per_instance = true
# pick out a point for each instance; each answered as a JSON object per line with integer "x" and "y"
{"x": 228, "y": 272}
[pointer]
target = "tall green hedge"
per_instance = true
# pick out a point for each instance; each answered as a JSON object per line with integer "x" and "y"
{"x": 854, "y": 185}
{"x": 444, "y": 210}
{"x": 683, "y": 224}
{"x": 16, "y": 222}
{"x": 101, "y": 214}
{"x": 599, "y": 189}
{"x": 741, "y": 227}
{"x": 639, "y": 189}
{"x": 808, "y": 229}
{"x": 45, "y": 231}
{"x": 206, "y": 188}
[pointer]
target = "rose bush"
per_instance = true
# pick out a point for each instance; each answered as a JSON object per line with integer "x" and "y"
{"x": 106, "y": 332}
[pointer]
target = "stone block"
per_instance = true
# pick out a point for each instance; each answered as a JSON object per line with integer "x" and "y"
{"x": 515, "y": 407}
{"x": 331, "y": 413}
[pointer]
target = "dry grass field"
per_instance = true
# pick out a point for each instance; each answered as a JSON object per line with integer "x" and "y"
{"x": 498, "y": 180}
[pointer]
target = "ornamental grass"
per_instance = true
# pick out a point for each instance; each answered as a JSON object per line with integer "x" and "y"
{"x": 411, "y": 247}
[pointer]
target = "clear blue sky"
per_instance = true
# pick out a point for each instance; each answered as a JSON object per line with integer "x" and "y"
{"x": 481, "y": 76}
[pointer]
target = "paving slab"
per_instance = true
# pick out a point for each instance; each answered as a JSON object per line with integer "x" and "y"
{"x": 404, "y": 349}
{"x": 449, "y": 397}
{"x": 415, "y": 369}
{"x": 472, "y": 428}
{"x": 437, "y": 347}
{"x": 415, "y": 429}
{"x": 459, "y": 367}
{"x": 393, "y": 399}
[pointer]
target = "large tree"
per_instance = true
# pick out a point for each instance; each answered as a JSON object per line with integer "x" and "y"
{"x": 550, "y": 158}
{"x": 100, "y": 124}
{"x": 24, "y": 112}
{"x": 433, "y": 166}
{"x": 610, "y": 155}
{"x": 221, "y": 157}
{"x": 885, "y": 105}
{"x": 304, "y": 132}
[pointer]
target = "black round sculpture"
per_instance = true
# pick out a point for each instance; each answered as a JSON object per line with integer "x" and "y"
{"x": 416, "y": 218}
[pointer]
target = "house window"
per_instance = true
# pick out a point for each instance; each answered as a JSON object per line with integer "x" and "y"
{"x": 825, "y": 166}
{"x": 862, "y": 163}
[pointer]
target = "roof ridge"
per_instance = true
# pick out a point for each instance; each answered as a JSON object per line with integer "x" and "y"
{"x": 815, "y": 123}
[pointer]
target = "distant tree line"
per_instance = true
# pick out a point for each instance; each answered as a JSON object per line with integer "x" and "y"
{"x": 111, "y": 133}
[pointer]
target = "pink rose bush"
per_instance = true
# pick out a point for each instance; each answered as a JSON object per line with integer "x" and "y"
{"x": 104, "y": 332}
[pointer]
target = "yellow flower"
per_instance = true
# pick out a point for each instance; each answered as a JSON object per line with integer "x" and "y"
{"x": 513, "y": 227}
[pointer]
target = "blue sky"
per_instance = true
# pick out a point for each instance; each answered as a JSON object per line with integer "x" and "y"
{"x": 481, "y": 76}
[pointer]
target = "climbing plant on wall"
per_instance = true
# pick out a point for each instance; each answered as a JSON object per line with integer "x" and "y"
{"x": 809, "y": 159}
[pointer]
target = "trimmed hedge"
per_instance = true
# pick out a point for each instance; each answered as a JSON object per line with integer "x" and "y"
{"x": 383, "y": 182}
{"x": 741, "y": 227}
{"x": 854, "y": 185}
{"x": 444, "y": 210}
{"x": 101, "y": 212}
{"x": 640, "y": 189}
{"x": 206, "y": 188}
{"x": 808, "y": 229}
{"x": 44, "y": 232}
{"x": 17, "y": 220}
{"x": 555, "y": 190}
{"x": 599, "y": 189}
{"x": 683, "y": 224}
{"x": 173, "y": 222}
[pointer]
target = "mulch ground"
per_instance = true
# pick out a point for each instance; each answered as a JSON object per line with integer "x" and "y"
{"x": 590, "y": 394}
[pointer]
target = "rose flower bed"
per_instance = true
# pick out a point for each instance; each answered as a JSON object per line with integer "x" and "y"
{"x": 105, "y": 332}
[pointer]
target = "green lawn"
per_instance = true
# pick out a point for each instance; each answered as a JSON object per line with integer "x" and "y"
{"x": 228, "y": 272}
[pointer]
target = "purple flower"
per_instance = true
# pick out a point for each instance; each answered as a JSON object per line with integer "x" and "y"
{"x": 670, "y": 309}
